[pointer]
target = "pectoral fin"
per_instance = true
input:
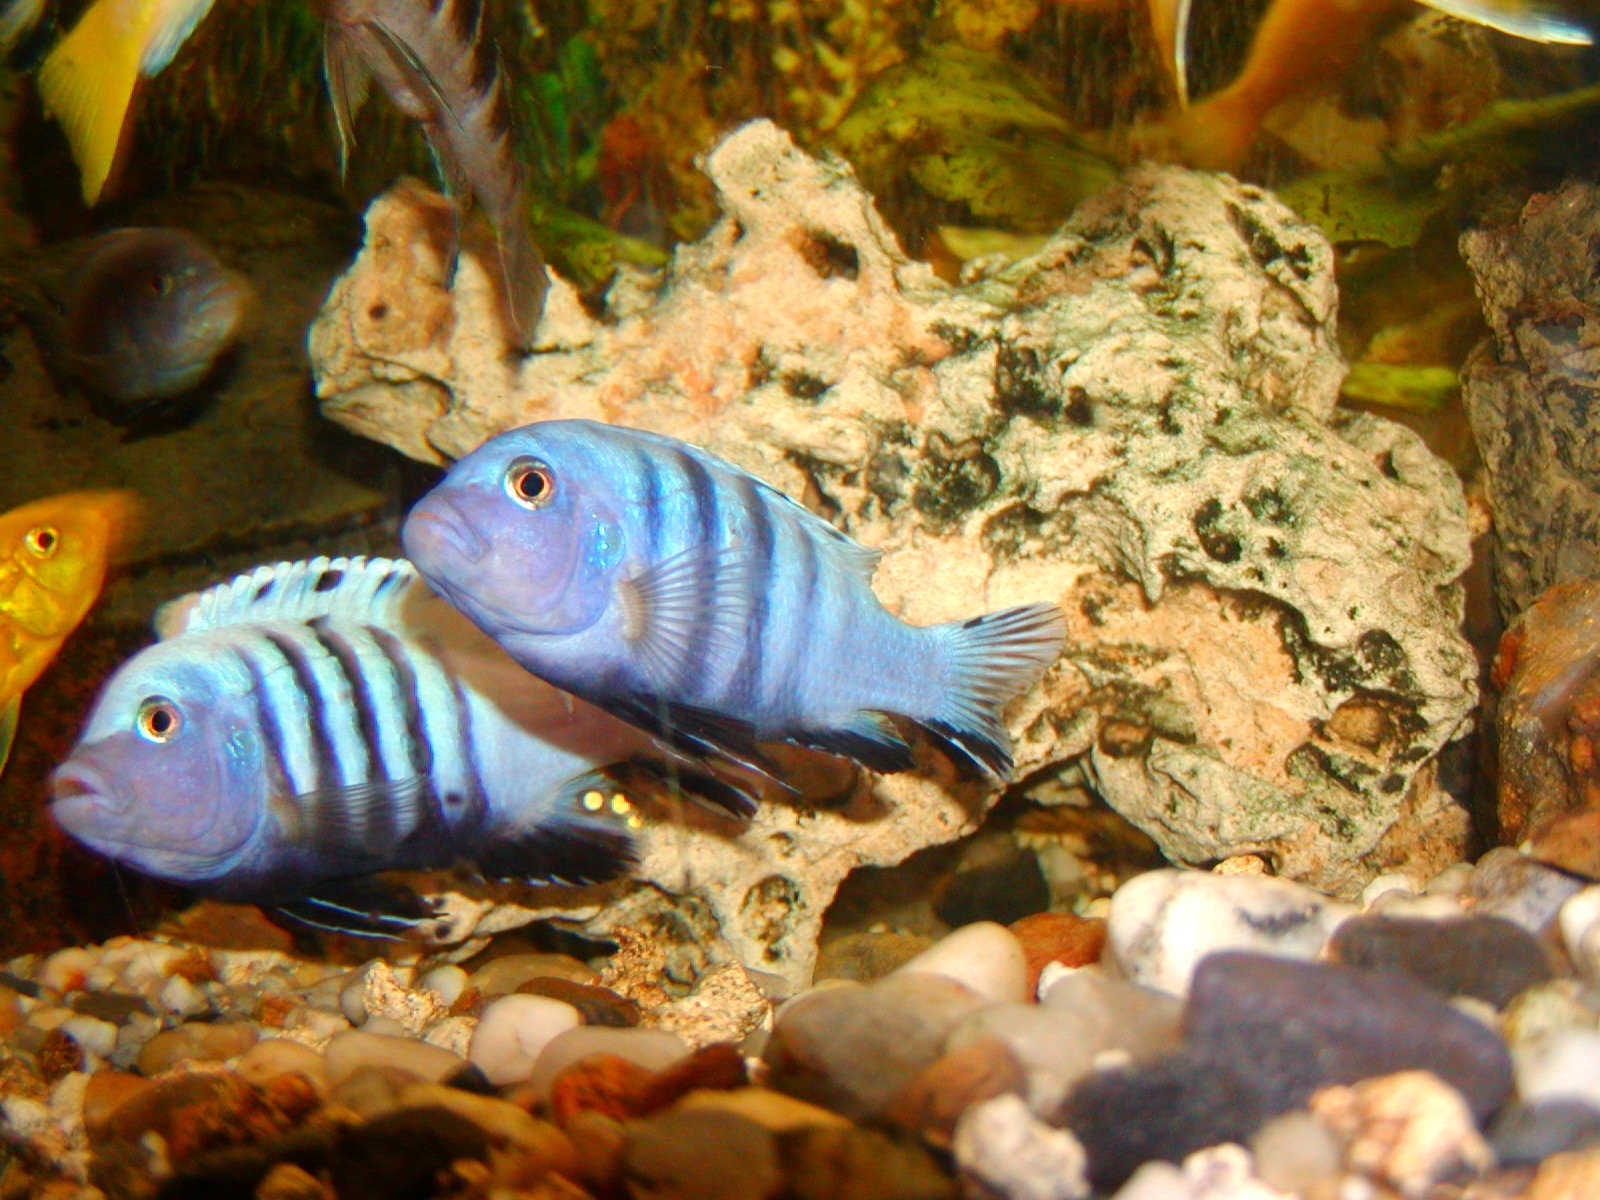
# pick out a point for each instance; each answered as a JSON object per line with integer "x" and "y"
{"x": 689, "y": 614}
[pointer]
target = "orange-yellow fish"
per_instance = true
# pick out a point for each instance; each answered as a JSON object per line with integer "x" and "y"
{"x": 53, "y": 555}
{"x": 86, "y": 82}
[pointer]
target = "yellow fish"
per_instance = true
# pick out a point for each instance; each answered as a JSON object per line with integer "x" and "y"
{"x": 53, "y": 555}
{"x": 86, "y": 82}
{"x": 1301, "y": 46}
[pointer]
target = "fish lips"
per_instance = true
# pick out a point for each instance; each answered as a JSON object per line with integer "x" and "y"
{"x": 439, "y": 534}
{"x": 82, "y": 804}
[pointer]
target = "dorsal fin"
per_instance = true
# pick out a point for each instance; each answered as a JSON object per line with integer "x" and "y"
{"x": 358, "y": 587}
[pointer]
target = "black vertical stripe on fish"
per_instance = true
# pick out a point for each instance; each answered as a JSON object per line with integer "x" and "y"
{"x": 272, "y": 731}
{"x": 344, "y": 657}
{"x": 707, "y": 511}
{"x": 476, "y": 800}
{"x": 650, "y": 504}
{"x": 325, "y": 758}
{"x": 764, "y": 578}
{"x": 416, "y": 738}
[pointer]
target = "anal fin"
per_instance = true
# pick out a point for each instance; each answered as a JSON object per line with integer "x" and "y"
{"x": 869, "y": 738}
{"x": 579, "y": 838}
{"x": 362, "y": 906}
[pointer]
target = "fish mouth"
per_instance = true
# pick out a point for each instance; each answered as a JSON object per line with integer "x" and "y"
{"x": 439, "y": 524}
{"x": 81, "y": 804}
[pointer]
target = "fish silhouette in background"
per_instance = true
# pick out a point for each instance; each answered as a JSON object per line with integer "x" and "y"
{"x": 311, "y": 724}
{"x": 140, "y": 317}
{"x": 53, "y": 556}
{"x": 87, "y": 80}
{"x": 435, "y": 61}
{"x": 690, "y": 598}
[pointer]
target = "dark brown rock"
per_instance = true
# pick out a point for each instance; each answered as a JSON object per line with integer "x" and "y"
{"x": 1486, "y": 957}
{"x": 597, "y": 1005}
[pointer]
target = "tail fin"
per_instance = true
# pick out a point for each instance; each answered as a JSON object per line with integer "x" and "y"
{"x": 991, "y": 660}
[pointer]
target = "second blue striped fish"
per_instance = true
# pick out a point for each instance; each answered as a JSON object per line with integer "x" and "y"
{"x": 688, "y": 597}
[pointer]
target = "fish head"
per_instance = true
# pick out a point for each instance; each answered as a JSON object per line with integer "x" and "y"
{"x": 152, "y": 312}
{"x": 169, "y": 775}
{"x": 53, "y": 557}
{"x": 521, "y": 534}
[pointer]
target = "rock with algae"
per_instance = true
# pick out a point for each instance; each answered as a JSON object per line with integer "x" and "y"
{"x": 1138, "y": 421}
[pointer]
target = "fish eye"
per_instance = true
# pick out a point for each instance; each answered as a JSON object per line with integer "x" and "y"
{"x": 158, "y": 720}
{"x": 161, "y": 283}
{"x": 530, "y": 483}
{"x": 42, "y": 540}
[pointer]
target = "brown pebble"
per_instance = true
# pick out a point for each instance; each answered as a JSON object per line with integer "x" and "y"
{"x": 285, "y": 1181}
{"x": 10, "y": 1010}
{"x": 195, "y": 1041}
{"x": 104, "y": 1094}
{"x": 700, "y": 1155}
{"x": 719, "y": 1066}
{"x": 58, "y": 1056}
{"x": 933, "y": 1102}
{"x": 606, "y": 1083}
{"x": 597, "y": 1005}
{"x": 274, "y": 1011}
{"x": 1569, "y": 841}
{"x": 598, "y": 1140}
{"x": 850, "y": 1162}
{"x": 867, "y": 955}
{"x": 195, "y": 966}
{"x": 1049, "y": 937}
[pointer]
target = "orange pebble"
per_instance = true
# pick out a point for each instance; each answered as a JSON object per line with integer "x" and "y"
{"x": 1049, "y": 937}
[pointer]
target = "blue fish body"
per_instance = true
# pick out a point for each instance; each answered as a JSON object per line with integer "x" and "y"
{"x": 329, "y": 719}
{"x": 692, "y": 599}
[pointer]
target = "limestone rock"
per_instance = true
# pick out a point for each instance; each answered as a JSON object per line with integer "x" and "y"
{"x": 1138, "y": 421}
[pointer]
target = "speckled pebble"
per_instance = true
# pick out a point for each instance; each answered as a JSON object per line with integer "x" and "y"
{"x": 1164, "y": 922}
{"x": 853, "y": 1048}
{"x": 1507, "y": 884}
{"x": 513, "y": 1031}
{"x": 348, "y": 1052}
{"x": 1004, "y": 1148}
{"x": 985, "y": 957}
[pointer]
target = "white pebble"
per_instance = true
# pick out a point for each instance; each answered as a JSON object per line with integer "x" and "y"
{"x": 1580, "y": 930}
{"x": 95, "y": 1036}
{"x": 180, "y": 997}
{"x": 353, "y": 1002}
{"x": 65, "y": 970}
{"x": 984, "y": 956}
{"x": 512, "y": 1032}
{"x": 1164, "y": 922}
{"x": 1394, "y": 882}
{"x": 387, "y": 1026}
{"x": 1564, "y": 1064}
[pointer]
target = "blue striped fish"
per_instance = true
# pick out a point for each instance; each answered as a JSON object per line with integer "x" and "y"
{"x": 309, "y": 724}
{"x": 690, "y": 598}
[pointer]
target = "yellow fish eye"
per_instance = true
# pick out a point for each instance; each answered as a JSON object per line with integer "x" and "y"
{"x": 42, "y": 540}
{"x": 530, "y": 483}
{"x": 158, "y": 720}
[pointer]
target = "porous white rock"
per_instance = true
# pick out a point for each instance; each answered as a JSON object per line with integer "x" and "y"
{"x": 1138, "y": 421}
{"x": 1003, "y": 1146}
{"x": 513, "y": 1031}
{"x": 984, "y": 956}
{"x": 1164, "y": 922}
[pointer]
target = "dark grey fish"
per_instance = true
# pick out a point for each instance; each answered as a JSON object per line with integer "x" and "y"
{"x": 137, "y": 316}
{"x": 435, "y": 63}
